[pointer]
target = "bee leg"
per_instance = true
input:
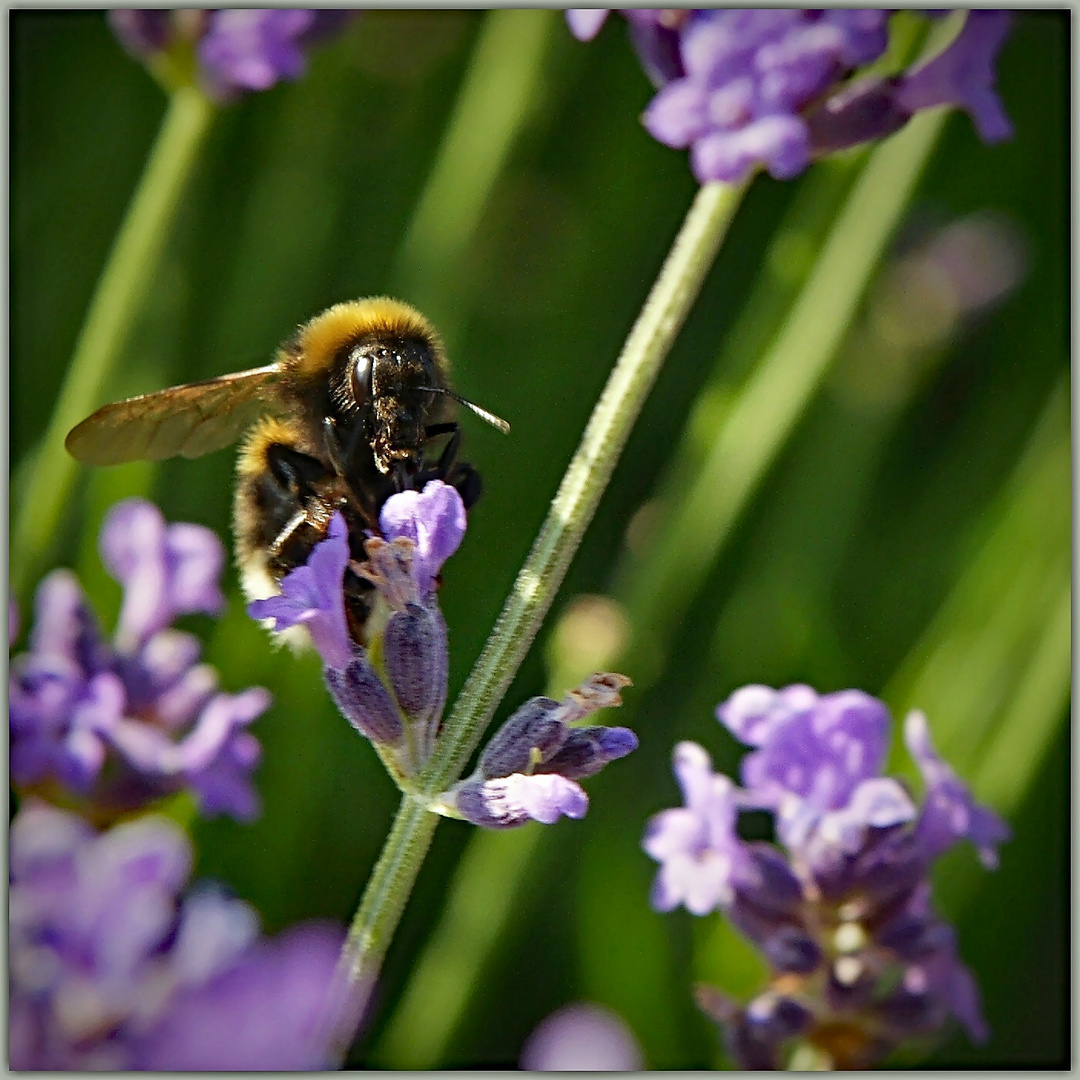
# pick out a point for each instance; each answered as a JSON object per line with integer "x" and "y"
{"x": 295, "y": 473}
{"x": 286, "y": 533}
{"x": 457, "y": 474}
{"x": 333, "y": 445}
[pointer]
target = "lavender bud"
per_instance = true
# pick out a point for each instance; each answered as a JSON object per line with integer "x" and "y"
{"x": 415, "y": 650}
{"x": 587, "y": 750}
{"x": 531, "y": 735}
{"x": 365, "y": 701}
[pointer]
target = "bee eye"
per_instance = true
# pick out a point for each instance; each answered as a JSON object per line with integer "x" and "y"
{"x": 360, "y": 376}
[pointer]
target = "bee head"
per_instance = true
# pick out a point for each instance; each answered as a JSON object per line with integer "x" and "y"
{"x": 389, "y": 380}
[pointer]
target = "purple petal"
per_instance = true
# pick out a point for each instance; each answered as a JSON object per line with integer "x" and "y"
{"x": 313, "y": 595}
{"x": 253, "y": 48}
{"x": 165, "y": 570}
{"x": 877, "y": 803}
{"x": 214, "y": 931}
{"x": 677, "y": 115}
{"x": 963, "y": 75}
{"x": 719, "y": 45}
{"x": 434, "y": 520}
{"x": 697, "y": 847}
{"x": 582, "y": 1038}
{"x": 780, "y": 143}
{"x": 265, "y": 1013}
{"x": 753, "y": 712}
{"x": 950, "y": 812}
{"x": 65, "y": 626}
{"x": 819, "y": 756}
{"x": 865, "y": 33}
{"x": 507, "y": 801}
{"x": 795, "y": 69}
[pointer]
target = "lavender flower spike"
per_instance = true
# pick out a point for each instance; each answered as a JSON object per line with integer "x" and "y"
{"x": 118, "y": 724}
{"x": 228, "y": 51}
{"x": 776, "y": 88}
{"x": 530, "y": 767}
{"x": 391, "y": 683}
{"x": 112, "y": 967}
{"x": 842, "y": 910}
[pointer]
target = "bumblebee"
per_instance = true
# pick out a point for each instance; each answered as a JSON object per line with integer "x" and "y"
{"x": 340, "y": 421}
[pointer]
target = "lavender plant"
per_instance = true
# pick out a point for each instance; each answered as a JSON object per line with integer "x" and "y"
{"x": 777, "y": 88}
{"x": 114, "y": 966}
{"x": 860, "y": 961}
{"x": 111, "y": 966}
{"x": 841, "y": 910}
{"x": 115, "y": 726}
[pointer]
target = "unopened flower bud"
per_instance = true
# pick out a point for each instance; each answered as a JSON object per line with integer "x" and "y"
{"x": 365, "y": 701}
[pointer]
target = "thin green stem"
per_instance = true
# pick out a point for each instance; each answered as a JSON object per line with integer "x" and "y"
{"x": 586, "y": 477}
{"x": 128, "y": 274}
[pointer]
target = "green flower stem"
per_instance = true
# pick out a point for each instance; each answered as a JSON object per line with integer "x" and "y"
{"x": 634, "y": 373}
{"x": 128, "y": 274}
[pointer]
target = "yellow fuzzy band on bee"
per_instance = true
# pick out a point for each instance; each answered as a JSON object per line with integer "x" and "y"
{"x": 321, "y": 339}
{"x": 270, "y": 429}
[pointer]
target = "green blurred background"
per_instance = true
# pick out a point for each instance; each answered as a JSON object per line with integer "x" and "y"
{"x": 908, "y": 532}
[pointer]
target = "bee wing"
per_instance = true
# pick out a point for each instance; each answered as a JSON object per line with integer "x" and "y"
{"x": 188, "y": 420}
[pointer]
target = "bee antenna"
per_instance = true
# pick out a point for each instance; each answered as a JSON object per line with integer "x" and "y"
{"x": 490, "y": 417}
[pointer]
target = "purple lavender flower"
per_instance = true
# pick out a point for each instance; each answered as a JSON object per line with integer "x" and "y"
{"x": 582, "y": 1038}
{"x": 434, "y": 520}
{"x": 842, "y": 912}
{"x": 166, "y": 570}
{"x": 530, "y": 767}
{"x": 120, "y": 724}
{"x": 771, "y": 88}
{"x": 112, "y": 967}
{"x": 397, "y": 704}
{"x": 231, "y": 51}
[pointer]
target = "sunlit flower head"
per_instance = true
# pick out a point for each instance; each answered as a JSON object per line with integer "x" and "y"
{"x": 841, "y": 909}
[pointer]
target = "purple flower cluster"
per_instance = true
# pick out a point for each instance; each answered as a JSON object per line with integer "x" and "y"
{"x": 393, "y": 690}
{"x": 112, "y": 967}
{"x": 236, "y": 50}
{"x": 121, "y": 723}
{"x": 843, "y": 913}
{"x": 773, "y": 87}
{"x": 529, "y": 769}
